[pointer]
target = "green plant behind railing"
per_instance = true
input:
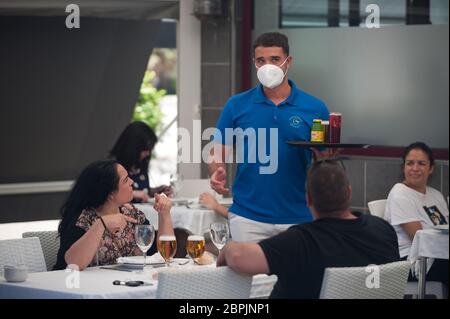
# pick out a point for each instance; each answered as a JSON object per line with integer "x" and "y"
{"x": 147, "y": 106}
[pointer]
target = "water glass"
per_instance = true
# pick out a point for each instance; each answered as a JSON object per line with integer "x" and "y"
{"x": 144, "y": 236}
{"x": 220, "y": 234}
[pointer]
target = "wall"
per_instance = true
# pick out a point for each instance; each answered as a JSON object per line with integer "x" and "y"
{"x": 189, "y": 77}
{"x": 373, "y": 177}
{"x": 65, "y": 96}
{"x": 220, "y": 77}
{"x": 390, "y": 84}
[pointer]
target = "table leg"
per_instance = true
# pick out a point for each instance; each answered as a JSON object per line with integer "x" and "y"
{"x": 422, "y": 277}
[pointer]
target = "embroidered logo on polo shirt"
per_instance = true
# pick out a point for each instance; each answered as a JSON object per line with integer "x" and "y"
{"x": 295, "y": 121}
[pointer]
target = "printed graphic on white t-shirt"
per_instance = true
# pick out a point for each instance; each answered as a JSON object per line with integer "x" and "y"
{"x": 435, "y": 215}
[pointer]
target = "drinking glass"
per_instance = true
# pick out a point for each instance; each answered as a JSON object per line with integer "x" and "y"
{"x": 220, "y": 234}
{"x": 195, "y": 247}
{"x": 144, "y": 236}
{"x": 176, "y": 181}
{"x": 167, "y": 247}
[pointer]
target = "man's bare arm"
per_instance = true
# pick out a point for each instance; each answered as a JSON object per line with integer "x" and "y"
{"x": 246, "y": 258}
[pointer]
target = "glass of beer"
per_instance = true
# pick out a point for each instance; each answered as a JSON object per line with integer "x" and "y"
{"x": 195, "y": 247}
{"x": 167, "y": 247}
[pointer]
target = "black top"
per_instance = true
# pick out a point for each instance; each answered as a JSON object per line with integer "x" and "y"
{"x": 140, "y": 182}
{"x": 300, "y": 255}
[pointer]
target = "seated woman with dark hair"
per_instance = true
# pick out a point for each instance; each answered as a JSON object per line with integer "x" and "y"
{"x": 97, "y": 224}
{"x": 412, "y": 205}
{"x": 133, "y": 151}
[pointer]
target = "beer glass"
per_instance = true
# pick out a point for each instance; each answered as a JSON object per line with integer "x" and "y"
{"x": 220, "y": 234}
{"x": 195, "y": 246}
{"x": 167, "y": 247}
{"x": 144, "y": 236}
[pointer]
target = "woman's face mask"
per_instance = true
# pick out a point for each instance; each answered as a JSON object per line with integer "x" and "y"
{"x": 271, "y": 75}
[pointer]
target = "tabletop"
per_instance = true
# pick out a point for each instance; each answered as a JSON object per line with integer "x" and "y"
{"x": 431, "y": 243}
{"x": 97, "y": 283}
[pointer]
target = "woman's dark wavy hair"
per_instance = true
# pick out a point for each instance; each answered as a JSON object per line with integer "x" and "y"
{"x": 91, "y": 189}
{"x": 136, "y": 137}
{"x": 419, "y": 146}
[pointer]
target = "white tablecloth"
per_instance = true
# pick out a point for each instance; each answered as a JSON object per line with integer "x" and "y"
{"x": 97, "y": 283}
{"x": 427, "y": 244}
{"x": 430, "y": 243}
{"x": 196, "y": 220}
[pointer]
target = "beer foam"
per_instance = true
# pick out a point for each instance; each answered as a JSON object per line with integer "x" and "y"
{"x": 196, "y": 237}
{"x": 167, "y": 238}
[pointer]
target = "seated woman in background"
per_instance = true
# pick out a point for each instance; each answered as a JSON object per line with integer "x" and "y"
{"x": 97, "y": 224}
{"x": 412, "y": 205}
{"x": 133, "y": 151}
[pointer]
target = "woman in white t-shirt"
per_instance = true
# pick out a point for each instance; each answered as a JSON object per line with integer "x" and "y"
{"x": 412, "y": 205}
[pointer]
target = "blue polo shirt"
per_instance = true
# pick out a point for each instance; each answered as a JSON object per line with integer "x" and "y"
{"x": 269, "y": 185}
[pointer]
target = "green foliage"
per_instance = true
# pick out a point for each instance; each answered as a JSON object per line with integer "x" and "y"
{"x": 147, "y": 106}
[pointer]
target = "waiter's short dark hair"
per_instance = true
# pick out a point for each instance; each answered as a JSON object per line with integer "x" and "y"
{"x": 272, "y": 39}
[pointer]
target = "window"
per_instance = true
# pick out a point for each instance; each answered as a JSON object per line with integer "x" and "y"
{"x": 345, "y": 13}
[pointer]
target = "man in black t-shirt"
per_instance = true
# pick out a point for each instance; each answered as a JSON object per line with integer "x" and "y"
{"x": 336, "y": 238}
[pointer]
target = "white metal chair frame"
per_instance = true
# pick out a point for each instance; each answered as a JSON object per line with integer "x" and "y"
{"x": 377, "y": 207}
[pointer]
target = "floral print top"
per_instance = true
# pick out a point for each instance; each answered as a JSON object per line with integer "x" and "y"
{"x": 114, "y": 246}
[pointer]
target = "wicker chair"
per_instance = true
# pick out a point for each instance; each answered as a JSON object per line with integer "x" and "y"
{"x": 350, "y": 282}
{"x": 25, "y": 251}
{"x": 203, "y": 283}
{"x": 49, "y": 243}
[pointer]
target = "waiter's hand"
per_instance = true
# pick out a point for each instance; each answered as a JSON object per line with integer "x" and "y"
{"x": 327, "y": 153}
{"x": 218, "y": 180}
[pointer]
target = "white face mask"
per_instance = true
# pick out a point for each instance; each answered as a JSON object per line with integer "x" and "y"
{"x": 271, "y": 75}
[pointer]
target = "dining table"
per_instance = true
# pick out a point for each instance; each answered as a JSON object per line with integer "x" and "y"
{"x": 427, "y": 244}
{"x": 98, "y": 283}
